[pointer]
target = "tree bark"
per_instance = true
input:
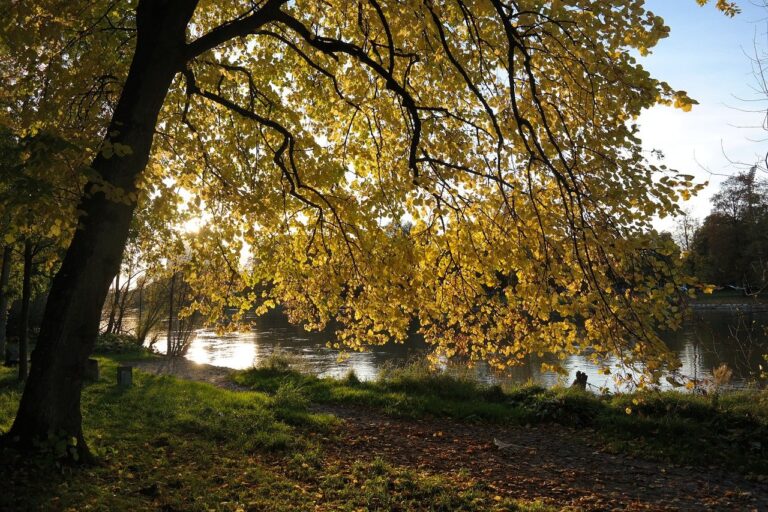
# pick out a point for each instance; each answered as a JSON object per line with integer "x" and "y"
{"x": 26, "y": 296}
{"x": 50, "y": 403}
{"x": 5, "y": 274}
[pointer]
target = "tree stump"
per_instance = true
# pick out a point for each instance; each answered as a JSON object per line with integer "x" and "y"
{"x": 581, "y": 381}
{"x": 92, "y": 370}
{"x": 125, "y": 376}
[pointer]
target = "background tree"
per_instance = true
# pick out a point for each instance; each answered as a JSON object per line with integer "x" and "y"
{"x": 183, "y": 320}
{"x": 685, "y": 229}
{"x": 303, "y": 129}
{"x": 5, "y": 275}
{"x": 9, "y": 157}
{"x": 155, "y": 236}
{"x": 151, "y": 297}
{"x": 731, "y": 247}
{"x": 37, "y": 207}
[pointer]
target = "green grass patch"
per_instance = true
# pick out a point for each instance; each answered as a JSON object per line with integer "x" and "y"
{"x": 729, "y": 430}
{"x": 173, "y": 445}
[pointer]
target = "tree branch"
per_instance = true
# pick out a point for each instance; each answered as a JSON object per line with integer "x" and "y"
{"x": 236, "y": 28}
{"x": 331, "y": 47}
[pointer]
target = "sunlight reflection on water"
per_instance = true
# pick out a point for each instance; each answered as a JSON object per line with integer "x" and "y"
{"x": 705, "y": 341}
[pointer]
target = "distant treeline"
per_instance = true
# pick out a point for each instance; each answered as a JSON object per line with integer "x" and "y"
{"x": 730, "y": 247}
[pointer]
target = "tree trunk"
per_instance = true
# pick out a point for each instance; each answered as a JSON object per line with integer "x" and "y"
{"x": 51, "y": 399}
{"x": 5, "y": 274}
{"x": 141, "y": 301}
{"x": 113, "y": 308}
{"x": 124, "y": 295}
{"x": 169, "y": 351}
{"x": 26, "y": 293}
{"x": 139, "y": 329}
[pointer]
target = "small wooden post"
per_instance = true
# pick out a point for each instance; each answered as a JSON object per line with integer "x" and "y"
{"x": 125, "y": 376}
{"x": 92, "y": 370}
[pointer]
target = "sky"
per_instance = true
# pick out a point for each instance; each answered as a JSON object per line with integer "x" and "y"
{"x": 708, "y": 55}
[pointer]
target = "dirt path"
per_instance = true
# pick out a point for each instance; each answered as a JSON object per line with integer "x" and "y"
{"x": 546, "y": 462}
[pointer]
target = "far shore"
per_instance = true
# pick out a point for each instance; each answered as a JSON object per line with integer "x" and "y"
{"x": 730, "y": 300}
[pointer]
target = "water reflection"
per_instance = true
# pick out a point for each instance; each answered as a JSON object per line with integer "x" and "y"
{"x": 709, "y": 337}
{"x": 246, "y": 349}
{"x": 736, "y": 336}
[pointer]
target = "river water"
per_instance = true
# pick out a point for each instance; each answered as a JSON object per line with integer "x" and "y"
{"x": 712, "y": 335}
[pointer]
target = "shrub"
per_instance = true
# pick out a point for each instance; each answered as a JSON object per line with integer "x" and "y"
{"x": 116, "y": 344}
{"x": 281, "y": 361}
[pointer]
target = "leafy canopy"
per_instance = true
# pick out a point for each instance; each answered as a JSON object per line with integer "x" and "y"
{"x": 472, "y": 164}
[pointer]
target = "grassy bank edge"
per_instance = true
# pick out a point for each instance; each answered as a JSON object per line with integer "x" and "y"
{"x": 727, "y": 429}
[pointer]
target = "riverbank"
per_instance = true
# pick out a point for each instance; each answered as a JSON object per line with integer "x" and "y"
{"x": 409, "y": 442}
{"x": 726, "y": 429}
{"x": 735, "y": 307}
{"x": 730, "y": 300}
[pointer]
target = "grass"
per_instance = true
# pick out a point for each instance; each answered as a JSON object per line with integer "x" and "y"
{"x": 727, "y": 430}
{"x": 172, "y": 445}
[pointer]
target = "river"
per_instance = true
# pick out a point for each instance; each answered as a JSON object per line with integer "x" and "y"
{"x": 711, "y": 335}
